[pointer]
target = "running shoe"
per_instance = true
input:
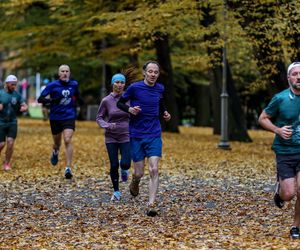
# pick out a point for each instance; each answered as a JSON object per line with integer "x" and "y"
{"x": 152, "y": 210}
{"x": 134, "y": 186}
{"x": 124, "y": 175}
{"x": 54, "y": 157}
{"x": 6, "y": 167}
{"x": 277, "y": 200}
{"x": 294, "y": 232}
{"x": 116, "y": 196}
{"x": 68, "y": 173}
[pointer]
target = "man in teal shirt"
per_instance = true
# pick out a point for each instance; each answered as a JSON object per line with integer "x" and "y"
{"x": 10, "y": 103}
{"x": 282, "y": 117}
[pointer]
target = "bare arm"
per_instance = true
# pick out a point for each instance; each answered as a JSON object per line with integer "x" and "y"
{"x": 265, "y": 121}
{"x": 24, "y": 107}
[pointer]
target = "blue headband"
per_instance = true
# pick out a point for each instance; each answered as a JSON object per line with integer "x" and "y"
{"x": 118, "y": 77}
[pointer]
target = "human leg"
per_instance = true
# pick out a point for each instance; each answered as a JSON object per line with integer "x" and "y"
{"x": 2, "y": 145}
{"x": 125, "y": 160}
{"x": 138, "y": 157}
{"x": 297, "y": 205}
{"x": 138, "y": 172}
{"x": 9, "y": 149}
{"x": 287, "y": 189}
{"x": 11, "y": 134}
{"x": 288, "y": 168}
{"x": 56, "y": 130}
{"x": 67, "y": 136}
{"x": 153, "y": 172}
{"x": 55, "y": 148}
{"x": 112, "y": 150}
{"x": 294, "y": 231}
{"x": 153, "y": 149}
{"x": 3, "y": 133}
{"x": 5, "y": 166}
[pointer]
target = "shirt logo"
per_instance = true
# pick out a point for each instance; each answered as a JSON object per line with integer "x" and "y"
{"x": 66, "y": 100}
{"x": 65, "y": 93}
{"x": 13, "y": 100}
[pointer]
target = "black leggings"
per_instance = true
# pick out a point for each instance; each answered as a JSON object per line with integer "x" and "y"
{"x": 113, "y": 150}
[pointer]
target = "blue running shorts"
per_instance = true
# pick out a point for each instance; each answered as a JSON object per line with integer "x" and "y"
{"x": 145, "y": 147}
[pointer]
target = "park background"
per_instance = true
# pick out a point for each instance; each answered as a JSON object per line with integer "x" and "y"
{"x": 188, "y": 38}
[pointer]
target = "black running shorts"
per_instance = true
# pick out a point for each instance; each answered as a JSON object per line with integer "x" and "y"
{"x": 59, "y": 126}
{"x": 8, "y": 130}
{"x": 288, "y": 165}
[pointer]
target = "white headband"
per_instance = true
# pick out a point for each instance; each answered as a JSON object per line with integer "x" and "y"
{"x": 293, "y": 65}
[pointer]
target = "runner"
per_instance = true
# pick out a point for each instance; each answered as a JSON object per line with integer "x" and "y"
{"x": 10, "y": 103}
{"x": 115, "y": 123}
{"x": 282, "y": 117}
{"x": 146, "y": 105}
{"x": 62, "y": 94}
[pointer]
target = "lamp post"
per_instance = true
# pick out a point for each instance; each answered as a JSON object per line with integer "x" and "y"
{"x": 224, "y": 143}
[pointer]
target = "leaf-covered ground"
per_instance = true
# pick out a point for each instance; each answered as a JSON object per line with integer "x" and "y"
{"x": 208, "y": 198}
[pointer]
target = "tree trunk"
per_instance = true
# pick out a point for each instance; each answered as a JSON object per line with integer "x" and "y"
{"x": 166, "y": 76}
{"x": 202, "y": 105}
{"x": 236, "y": 118}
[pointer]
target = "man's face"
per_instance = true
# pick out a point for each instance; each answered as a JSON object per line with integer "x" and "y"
{"x": 294, "y": 78}
{"x": 151, "y": 73}
{"x": 64, "y": 73}
{"x": 11, "y": 86}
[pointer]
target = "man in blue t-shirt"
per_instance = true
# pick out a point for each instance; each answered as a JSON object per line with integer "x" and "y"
{"x": 282, "y": 117}
{"x": 11, "y": 102}
{"x": 146, "y": 105}
{"x": 62, "y": 95}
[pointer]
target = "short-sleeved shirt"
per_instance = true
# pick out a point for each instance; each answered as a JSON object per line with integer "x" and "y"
{"x": 284, "y": 109}
{"x": 108, "y": 113}
{"x": 146, "y": 123}
{"x": 11, "y": 104}
{"x": 66, "y": 93}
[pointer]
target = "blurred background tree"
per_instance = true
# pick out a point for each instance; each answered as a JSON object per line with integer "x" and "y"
{"x": 99, "y": 38}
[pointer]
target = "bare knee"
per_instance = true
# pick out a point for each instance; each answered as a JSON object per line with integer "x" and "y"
{"x": 288, "y": 195}
{"x": 2, "y": 144}
{"x": 138, "y": 169}
{"x": 153, "y": 171}
{"x": 10, "y": 143}
{"x": 67, "y": 140}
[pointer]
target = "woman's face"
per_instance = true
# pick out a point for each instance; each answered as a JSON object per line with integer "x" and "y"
{"x": 118, "y": 87}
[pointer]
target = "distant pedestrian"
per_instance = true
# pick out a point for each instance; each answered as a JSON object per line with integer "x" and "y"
{"x": 62, "y": 95}
{"x": 282, "y": 117}
{"x": 115, "y": 122}
{"x": 11, "y": 102}
{"x": 146, "y": 106}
